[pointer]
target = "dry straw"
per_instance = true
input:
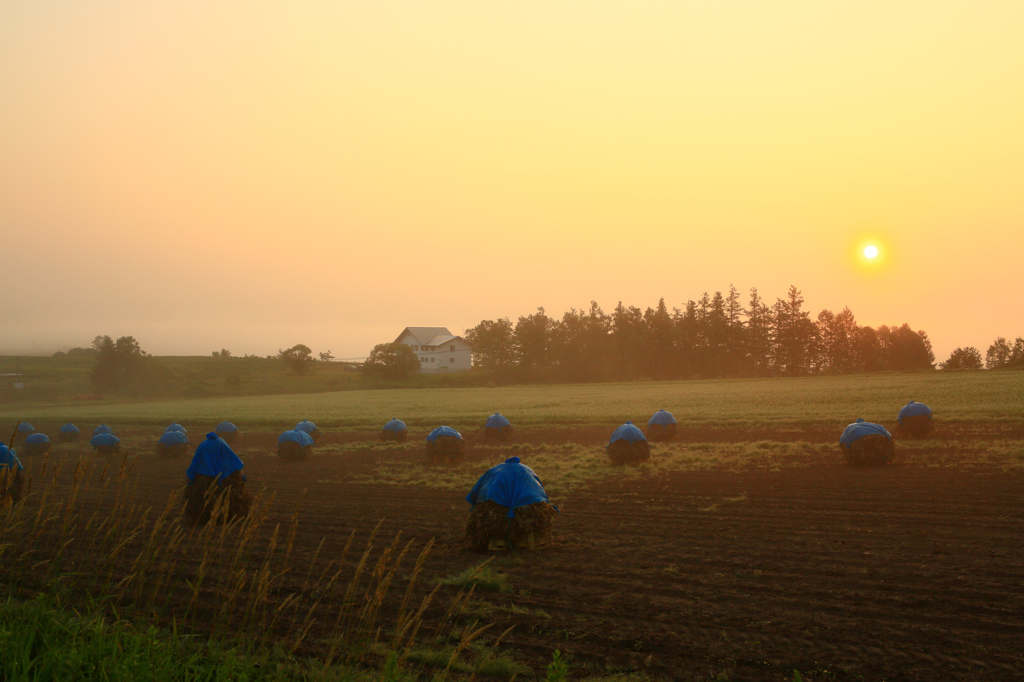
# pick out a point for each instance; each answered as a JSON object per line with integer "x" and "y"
{"x": 396, "y": 436}
{"x": 626, "y": 452}
{"x": 86, "y": 531}
{"x": 500, "y": 434}
{"x": 662, "y": 432}
{"x": 873, "y": 449}
{"x": 916, "y": 426}
{"x": 172, "y": 451}
{"x": 489, "y": 521}
{"x": 292, "y": 451}
{"x": 446, "y": 450}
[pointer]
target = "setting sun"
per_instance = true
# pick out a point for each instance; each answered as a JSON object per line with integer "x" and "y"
{"x": 870, "y": 252}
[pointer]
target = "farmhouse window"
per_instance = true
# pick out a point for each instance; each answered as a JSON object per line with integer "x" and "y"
{"x": 451, "y": 359}
{"x": 451, "y": 348}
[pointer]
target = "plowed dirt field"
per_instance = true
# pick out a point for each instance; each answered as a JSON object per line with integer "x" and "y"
{"x": 905, "y": 572}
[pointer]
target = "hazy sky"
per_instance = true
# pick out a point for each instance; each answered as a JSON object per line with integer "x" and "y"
{"x": 252, "y": 175}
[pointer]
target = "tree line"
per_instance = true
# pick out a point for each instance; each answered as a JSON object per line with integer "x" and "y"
{"x": 717, "y": 335}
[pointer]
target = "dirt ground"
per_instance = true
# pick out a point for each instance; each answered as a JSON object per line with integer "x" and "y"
{"x": 896, "y": 573}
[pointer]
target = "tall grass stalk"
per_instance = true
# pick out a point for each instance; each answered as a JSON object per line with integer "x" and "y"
{"x": 86, "y": 535}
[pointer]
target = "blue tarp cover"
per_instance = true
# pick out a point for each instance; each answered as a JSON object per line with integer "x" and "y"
{"x": 213, "y": 458}
{"x": 173, "y": 438}
{"x": 296, "y": 436}
{"x": 443, "y": 431}
{"x": 69, "y": 428}
{"x": 511, "y": 485}
{"x": 102, "y": 428}
{"x": 25, "y": 427}
{"x": 859, "y": 429}
{"x": 496, "y": 421}
{"x": 912, "y": 409}
{"x": 9, "y": 459}
{"x": 628, "y": 431}
{"x": 104, "y": 439}
{"x": 306, "y": 425}
{"x": 37, "y": 439}
{"x": 663, "y": 417}
{"x": 225, "y": 427}
{"x": 176, "y": 427}
{"x": 395, "y": 425}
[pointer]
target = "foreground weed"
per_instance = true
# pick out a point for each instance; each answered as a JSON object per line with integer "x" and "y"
{"x": 557, "y": 669}
{"x": 482, "y": 577}
{"x": 127, "y": 557}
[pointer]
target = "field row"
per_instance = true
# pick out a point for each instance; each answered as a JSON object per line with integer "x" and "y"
{"x": 955, "y": 397}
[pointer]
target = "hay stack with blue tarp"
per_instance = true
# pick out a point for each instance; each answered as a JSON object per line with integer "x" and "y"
{"x": 497, "y": 427}
{"x": 310, "y": 428}
{"x": 105, "y": 444}
{"x": 12, "y": 477}
{"x": 227, "y": 431}
{"x": 68, "y": 433}
{"x": 172, "y": 444}
{"x": 215, "y": 482}
{"x": 176, "y": 427}
{"x": 915, "y": 420}
{"x": 37, "y": 444}
{"x": 102, "y": 428}
{"x": 628, "y": 445}
{"x": 662, "y": 426}
{"x": 445, "y": 446}
{"x": 394, "y": 430}
{"x": 294, "y": 445}
{"x": 867, "y": 444}
{"x": 25, "y": 429}
{"x": 510, "y": 509}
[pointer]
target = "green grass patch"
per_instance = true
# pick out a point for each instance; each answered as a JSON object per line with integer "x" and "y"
{"x": 40, "y": 640}
{"x": 482, "y": 578}
{"x": 954, "y": 396}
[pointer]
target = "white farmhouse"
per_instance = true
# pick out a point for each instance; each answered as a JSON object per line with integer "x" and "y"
{"x": 438, "y": 349}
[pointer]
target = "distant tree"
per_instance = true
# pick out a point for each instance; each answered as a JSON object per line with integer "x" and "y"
{"x": 222, "y": 353}
{"x": 494, "y": 346}
{"x": 107, "y": 372}
{"x": 1017, "y": 353}
{"x": 906, "y": 349}
{"x": 758, "y": 351}
{"x": 998, "y": 354}
{"x": 298, "y": 358}
{"x": 533, "y": 339}
{"x": 963, "y": 358}
{"x": 392, "y": 360}
{"x": 326, "y": 356}
{"x": 1002, "y": 355}
{"x": 795, "y": 335}
{"x": 122, "y": 364}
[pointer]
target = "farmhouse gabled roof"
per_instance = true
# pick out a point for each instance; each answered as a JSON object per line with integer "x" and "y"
{"x": 440, "y": 339}
{"x": 430, "y": 336}
{"x": 423, "y": 335}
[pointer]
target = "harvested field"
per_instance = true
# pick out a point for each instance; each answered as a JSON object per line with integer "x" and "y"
{"x": 729, "y": 555}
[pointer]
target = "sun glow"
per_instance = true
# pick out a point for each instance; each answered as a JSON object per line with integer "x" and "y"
{"x": 870, "y": 251}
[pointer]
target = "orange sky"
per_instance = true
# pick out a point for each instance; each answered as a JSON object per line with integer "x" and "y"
{"x": 254, "y": 175}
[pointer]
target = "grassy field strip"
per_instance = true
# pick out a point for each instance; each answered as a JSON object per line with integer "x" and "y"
{"x": 564, "y": 468}
{"x": 991, "y": 396}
